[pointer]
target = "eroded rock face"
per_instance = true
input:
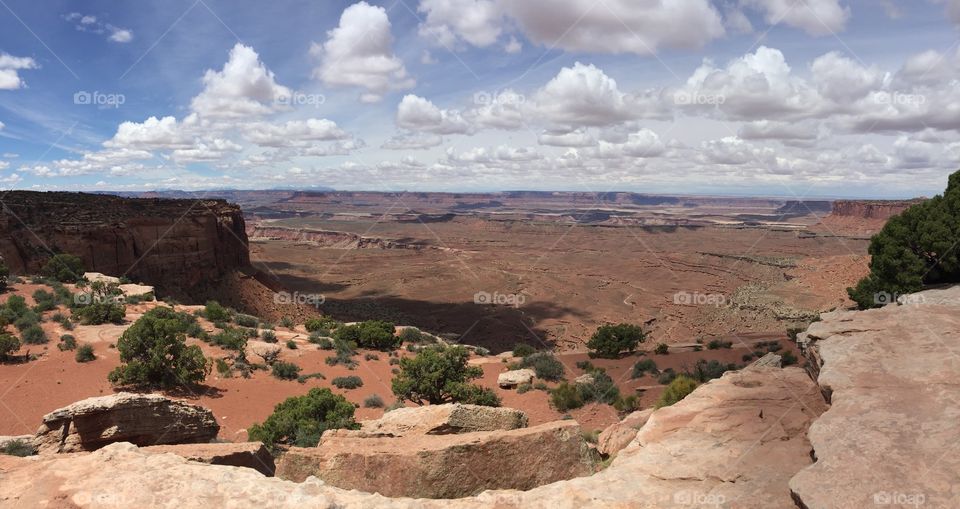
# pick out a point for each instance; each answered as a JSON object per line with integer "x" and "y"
{"x": 444, "y": 466}
{"x": 142, "y": 419}
{"x": 617, "y": 436}
{"x": 734, "y": 442}
{"x": 892, "y": 375}
{"x": 244, "y": 454}
{"x": 444, "y": 419}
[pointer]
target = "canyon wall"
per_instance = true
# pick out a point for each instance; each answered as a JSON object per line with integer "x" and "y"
{"x": 861, "y": 218}
{"x": 327, "y": 238}
{"x": 182, "y": 247}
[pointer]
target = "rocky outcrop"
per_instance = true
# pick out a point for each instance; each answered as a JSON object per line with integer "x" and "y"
{"x": 20, "y": 440}
{"x": 514, "y": 378}
{"x": 892, "y": 377}
{"x": 252, "y": 455}
{"x": 445, "y": 466}
{"x": 328, "y": 238}
{"x": 861, "y": 217}
{"x": 141, "y": 419}
{"x": 179, "y": 246}
{"x": 734, "y": 442}
{"x": 617, "y": 436}
{"x": 446, "y": 419}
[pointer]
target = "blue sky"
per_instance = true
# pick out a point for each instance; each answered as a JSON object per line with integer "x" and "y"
{"x": 796, "y": 98}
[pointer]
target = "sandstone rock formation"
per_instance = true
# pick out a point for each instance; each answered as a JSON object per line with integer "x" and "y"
{"x": 861, "y": 217}
{"x": 888, "y": 438}
{"x": 142, "y": 419}
{"x": 444, "y": 419}
{"x": 769, "y": 360}
{"x": 445, "y": 466}
{"x": 617, "y": 436}
{"x": 6, "y": 441}
{"x": 244, "y": 454}
{"x": 514, "y": 378}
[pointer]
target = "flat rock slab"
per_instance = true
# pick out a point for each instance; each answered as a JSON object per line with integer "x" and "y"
{"x": 890, "y": 436}
{"x": 243, "y": 454}
{"x": 141, "y": 419}
{"x": 444, "y": 419}
{"x": 617, "y": 436}
{"x": 445, "y": 466}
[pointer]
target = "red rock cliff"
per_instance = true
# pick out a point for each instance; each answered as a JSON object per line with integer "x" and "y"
{"x": 871, "y": 209}
{"x": 179, "y": 246}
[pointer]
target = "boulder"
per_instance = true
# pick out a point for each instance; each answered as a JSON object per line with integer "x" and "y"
{"x": 619, "y": 435}
{"x": 95, "y": 277}
{"x": 132, "y": 290}
{"x": 444, "y": 419}
{"x": 892, "y": 376}
{"x": 511, "y": 379}
{"x": 27, "y": 440}
{"x": 142, "y": 419}
{"x": 243, "y": 454}
{"x": 262, "y": 349}
{"x": 770, "y": 360}
{"x": 585, "y": 379}
{"x": 445, "y": 466}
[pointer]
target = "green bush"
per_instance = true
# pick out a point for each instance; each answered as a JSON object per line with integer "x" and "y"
{"x": 666, "y": 376}
{"x": 324, "y": 343}
{"x": 411, "y": 335}
{"x": 523, "y": 350}
{"x": 472, "y": 394}
{"x": 373, "y": 334}
{"x": 565, "y": 397}
{"x": 611, "y": 341}
{"x": 678, "y": 389}
{"x": 286, "y": 322}
{"x": 301, "y": 420}
{"x": 27, "y": 319}
{"x": 33, "y": 335}
{"x": 662, "y": 349}
{"x": 704, "y": 371}
{"x": 67, "y": 342}
{"x": 643, "y": 367}
{"x": 347, "y": 382}
{"x": 214, "y": 312}
{"x": 601, "y": 389}
{"x": 321, "y": 324}
{"x": 84, "y": 353}
{"x": 435, "y": 375}
{"x": 716, "y": 344}
{"x": 230, "y": 339}
{"x": 18, "y": 448}
{"x": 524, "y": 388}
{"x": 285, "y": 370}
{"x": 64, "y": 268}
{"x": 269, "y": 336}
{"x": 246, "y": 320}
{"x": 373, "y": 401}
{"x": 45, "y": 301}
{"x": 585, "y": 365}
{"x": 9, "y": 344}
{"x": 98, "y": 313}
{"x": 154, "y": 353}
{"x": 788, "y": 358}
{"x": 4, "y": 276}
{"x": 224, "y": 369}
{"x": 16, "y": 304}
{"x": 545, "y": 365}
{"x": 291, "y": 344}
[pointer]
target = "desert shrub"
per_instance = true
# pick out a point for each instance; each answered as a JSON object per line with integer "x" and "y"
{"x": 523, "y": 350}
{"x": 541, "y": 386}
{"x": 231, "y": 339}
{"x": 33, "y": 335}
{"x": 371, "y": 357}
{"x": 678, "y": 389}
{"x": 98, "y": 313}
{"x": 344, "y": 354}
{"x": 788, "y": 358}
{"x": 321, "y": 324}
{"x": 704, "y": 371}
{"x": 373, "y": 401}
{"x": 246, "y": 320}
{"x": 666, "y": 376}
{"x": 269, "y": 336}
{"x": 347, "y": 382}
{"x": 18, "y": 448}
{"x": 323, "y": 343}
{"x": 194, "y": 330}
{"x": 716, "y": 344}
{"x": 224, "y": 369}
{"x": 601, "y": 389}
{"x": 67, "y": 342}
{"x": 747, "y": 357}
{"x": 411, "y": 335}
{"x": 374, "y": 334}
{"x": 301, "y": 420}
{"x": 154, "y": 353}
{"x": 64, "y": 268}
{"x": 4, "y": 276}
{"x": 27, "y": 319}
{"x": 524, "y": 388}
{"x": 472, "y": 394}
{"x": 394, "y": 361}
{"x": 286, "y": 322}
{"x": 291, "y": 344}
{"x": 565, "y": 397}
{"x": 45, "y": 301}
{"x": 16, "y": 304}
{"x": 84, "y": 353}
{"x": 585, "y": 365}
{"x": 545, "y": 365}
{"x": 627, "y": 404}
{"x": 662, "y": 349}
{"x": 435, "y": 375}
{"x": 8, "y": 345}
{"x": 611, "y": 341}
{"x": 285, "y": 370}
{"x": 214, "y": 312}
{"x": 643, "y": 367}
{"x": 303, "y": 378}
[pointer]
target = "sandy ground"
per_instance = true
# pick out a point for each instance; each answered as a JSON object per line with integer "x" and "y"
{"x": 55, "y": 379}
